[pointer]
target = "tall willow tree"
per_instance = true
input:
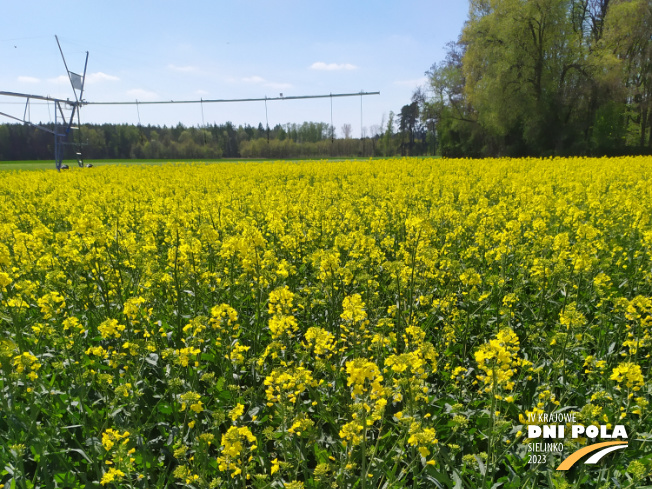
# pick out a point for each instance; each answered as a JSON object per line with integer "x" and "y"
{"x": 627, "y": 47}
{"x": 547, "y": 77}
{"x": 525, "y": 73}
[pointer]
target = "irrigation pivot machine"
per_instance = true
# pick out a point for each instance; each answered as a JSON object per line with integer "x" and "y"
{"x": 67, "y": 112}
{"x": 64, "y": 112}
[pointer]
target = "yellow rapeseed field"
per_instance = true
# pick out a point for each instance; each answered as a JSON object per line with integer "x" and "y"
{"x": 370, "y": 324}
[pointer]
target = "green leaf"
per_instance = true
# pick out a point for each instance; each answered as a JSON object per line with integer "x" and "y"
{"x": 321, "y": 455}
{"x": 82, "y": 453}
{"x": 165, "y": 409}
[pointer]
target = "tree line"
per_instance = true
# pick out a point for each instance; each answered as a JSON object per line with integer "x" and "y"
{"x": 544, "y": 77}
{"x": 125, "y": 141}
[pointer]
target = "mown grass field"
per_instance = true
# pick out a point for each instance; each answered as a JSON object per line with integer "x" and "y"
{"x": 369, "y": 324}
{"x": 49, "y": 165}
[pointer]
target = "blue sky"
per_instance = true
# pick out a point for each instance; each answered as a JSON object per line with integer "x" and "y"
{"x": 163, "y": 50}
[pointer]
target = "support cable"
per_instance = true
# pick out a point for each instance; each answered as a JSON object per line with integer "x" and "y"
{"x": 361, "y": 136}
{"x": 266, "y": 119}
{"x": 203, "y": 124}
{"x": 332, "y": 127}
{"x": 27, "y": 115}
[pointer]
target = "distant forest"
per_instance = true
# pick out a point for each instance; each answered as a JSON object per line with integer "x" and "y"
{"x": 123, "y": 141}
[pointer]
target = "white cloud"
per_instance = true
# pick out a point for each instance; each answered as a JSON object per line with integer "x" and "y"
{"x": 64, "y": 80}
{"x": 259, "y": 80}
{"x": 278, "y": 86}
{"x": 140, "y": 94}
{"x": 28, "y": 79}
{"x": 59, "y": 80}
{"x": 254, "y": 79}
{"x": 99, "y": 77}
{"x": 201, "y": 92}
{"x": 320, "y": 65}
{"x": 182, "y": 69}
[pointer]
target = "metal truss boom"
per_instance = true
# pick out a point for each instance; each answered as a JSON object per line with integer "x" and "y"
{"x": 210, "y": 101}
{"x": 27, "y": 122}
{"x": 38, "y": 97}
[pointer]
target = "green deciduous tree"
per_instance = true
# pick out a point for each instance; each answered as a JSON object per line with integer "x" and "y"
{"x": 523, "y": 70}
{"x": 546, "y": 77}
{"x": 627, "y": 45}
